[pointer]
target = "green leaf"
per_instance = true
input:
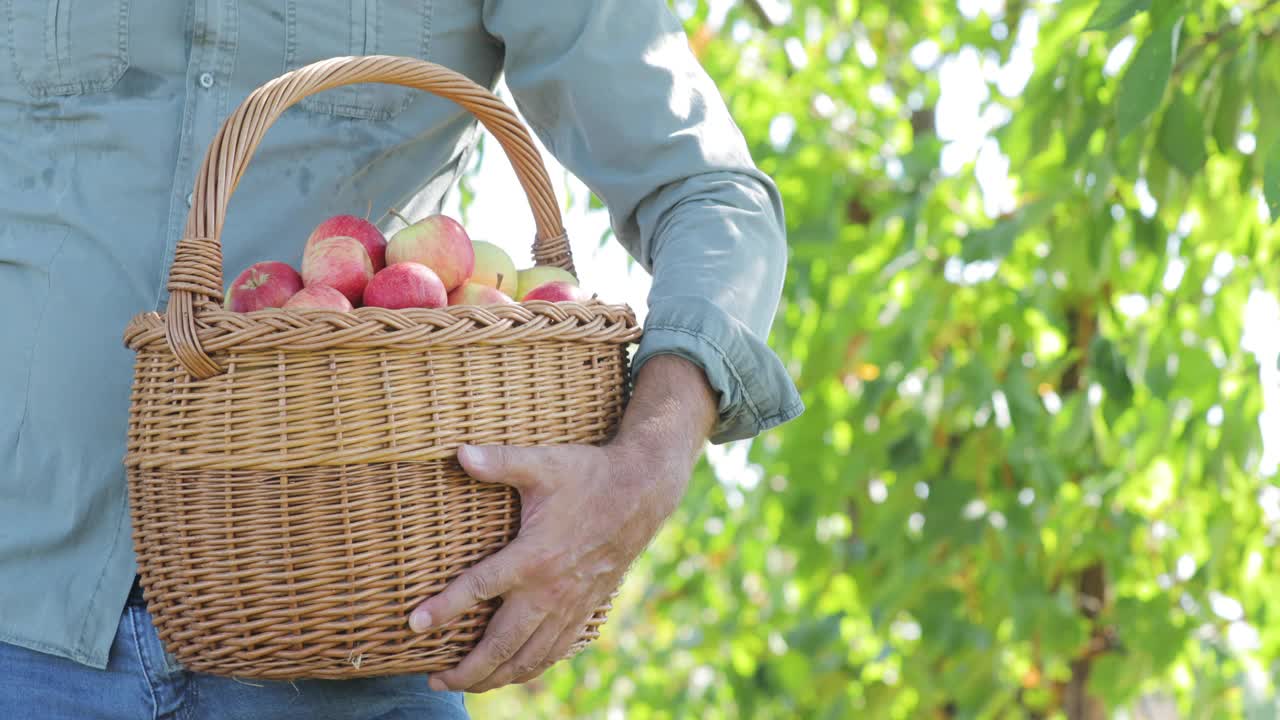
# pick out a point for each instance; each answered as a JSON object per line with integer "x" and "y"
{"x": 906, "y": 451}
{"x": 1142, "y": 87}
{"x": 1113, "y": 13}
{"x": 1107, "y": 365}
{"x": 1271, "y": 182}
{"x": 1182, "y": 136}
{"x": 995, "y": 242}
{"x": 990, "y": 243}
{"x": 1226, "y": 121}
{"x": 1162, "y": 10}
{"x": 1164, "y": 181}
{"x": 1073, "y": 426}
{"x": 1024, "y": 406}
{"x": 1266, "y": 96}
{"x": 1149, "y": 234}
{"x": 1078, "y": 141}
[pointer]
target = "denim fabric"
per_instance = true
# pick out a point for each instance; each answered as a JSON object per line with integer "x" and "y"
{"x": 106, "y": 110}
{"x": 140, "y": 681}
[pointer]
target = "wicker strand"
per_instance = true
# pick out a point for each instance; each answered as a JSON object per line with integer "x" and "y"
{"x": 197, "y": 264}
{"x": 554, "y": 251}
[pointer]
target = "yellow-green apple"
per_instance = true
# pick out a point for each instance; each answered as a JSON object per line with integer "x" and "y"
{"x": 318, "y": 297}
{"x": 262, "y": 285}
{"x": 474, "y": 293}
{"x": 557, "y": 291}
{"x": 375, "y": 243}
{"x": 530, "y": 278}
{"x": 342, "y": 263}
{"x": 406, "y": 285}
{"x": 438, "y": 242}
{"x": 494, "y": 268}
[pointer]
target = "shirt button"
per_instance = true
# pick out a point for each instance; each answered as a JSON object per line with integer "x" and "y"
{"x": 206, "y": 80}
{"x": 189, "y": 199}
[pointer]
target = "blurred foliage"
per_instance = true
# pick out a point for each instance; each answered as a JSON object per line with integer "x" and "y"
{"x": 1027, "y": 483}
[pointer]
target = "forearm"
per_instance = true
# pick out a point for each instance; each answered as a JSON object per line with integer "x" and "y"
{"x": 668, "y": 419}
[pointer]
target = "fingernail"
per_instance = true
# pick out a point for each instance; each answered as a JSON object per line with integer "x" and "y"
{"x": 419, "y": 620}
{"x": 473, "y": 456}
{"x": 438, "y": 685}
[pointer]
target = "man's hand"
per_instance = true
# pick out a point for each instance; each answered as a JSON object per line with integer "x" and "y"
{"x": 587, "y": 512}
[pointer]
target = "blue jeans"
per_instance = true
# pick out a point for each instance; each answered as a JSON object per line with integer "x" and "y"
{"x": 140, "y": 681}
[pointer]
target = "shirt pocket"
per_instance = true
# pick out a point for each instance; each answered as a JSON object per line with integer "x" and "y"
{"x": 68, "y": 47}
{"x": 321, "y": 30}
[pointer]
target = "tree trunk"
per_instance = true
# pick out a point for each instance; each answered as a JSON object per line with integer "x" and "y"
{"x": 1077, "y": 703}
{"x": 1091, "y": 588}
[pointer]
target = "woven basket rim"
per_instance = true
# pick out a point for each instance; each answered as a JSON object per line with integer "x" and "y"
{"x": 365, "y": 327}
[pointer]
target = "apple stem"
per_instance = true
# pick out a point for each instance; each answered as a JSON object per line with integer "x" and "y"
{"x": 368, "y": 210}
{"x": 499, "y": 280}
{"x": 403, "y": 219}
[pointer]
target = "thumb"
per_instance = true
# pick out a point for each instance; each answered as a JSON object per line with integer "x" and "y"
{"x": 514, "y": 466}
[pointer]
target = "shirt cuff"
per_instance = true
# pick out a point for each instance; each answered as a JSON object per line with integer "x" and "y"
{"x": 755, "y": 391}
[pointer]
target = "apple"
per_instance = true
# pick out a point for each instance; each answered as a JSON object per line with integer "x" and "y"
{"x": 438, "y": 242}
{"x": 262, "y": 285}
{"x": 473, "y": 293}
{"x": 318, "y": 297}
{"x": 494, "y": 268}
{"x": 531, "y": 278}
{"x": 375, "y": 243}
{"x": 342, "y": 263}
{"x": 557, "y": 291}
{"x": 406, "y": 285}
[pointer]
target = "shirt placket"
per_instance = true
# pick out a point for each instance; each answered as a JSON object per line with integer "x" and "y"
{"x": 213, "y": 26}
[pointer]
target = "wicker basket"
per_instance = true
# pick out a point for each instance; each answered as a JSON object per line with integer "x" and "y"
{"x": 293, "y": 476}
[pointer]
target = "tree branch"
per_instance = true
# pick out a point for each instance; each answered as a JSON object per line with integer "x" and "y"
{"x": 1194, "y": 51}
{"x": 1091, "y": 584}
{"x": 762, "y": 12}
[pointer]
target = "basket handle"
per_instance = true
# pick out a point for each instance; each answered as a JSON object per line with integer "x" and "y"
{"x": 195, "y": 277}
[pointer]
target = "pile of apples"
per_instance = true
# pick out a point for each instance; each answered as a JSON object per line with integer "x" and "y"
{"x": 348, "y": 263}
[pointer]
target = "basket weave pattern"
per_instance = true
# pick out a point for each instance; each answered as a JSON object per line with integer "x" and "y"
{"x": 293, "y": 481}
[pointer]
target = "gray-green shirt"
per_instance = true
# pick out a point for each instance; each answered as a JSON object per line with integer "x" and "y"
{"x": 106, "y": 109}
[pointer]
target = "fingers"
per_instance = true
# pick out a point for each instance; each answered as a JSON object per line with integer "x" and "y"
{"x": 558, "y": 650}
{"x": 527, "y": 660}
{"x": 515, "y": 466}
{"x": 485, "y": 580}
{"x": 508, "y": 631}
{"x": 523, "y": 638}
{"x": 498, "y": 573}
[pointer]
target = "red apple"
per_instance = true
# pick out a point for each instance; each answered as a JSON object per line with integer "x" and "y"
{"x": 474, "y": 293}
{"x": 557, "y": 291}
{"x": 406, "y": 285}
{"x": 262, "y": 285}
{"x": 531, "y": 278}
{"x": 354, "y": 227}
{"x": 318, "y": 297}
{"x": 438, "y": 242}
{"x": 339, "y": 262}
{"x": 494, "y": 268}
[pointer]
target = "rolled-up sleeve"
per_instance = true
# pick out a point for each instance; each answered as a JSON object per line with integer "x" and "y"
{"x": 613, "y": 91}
